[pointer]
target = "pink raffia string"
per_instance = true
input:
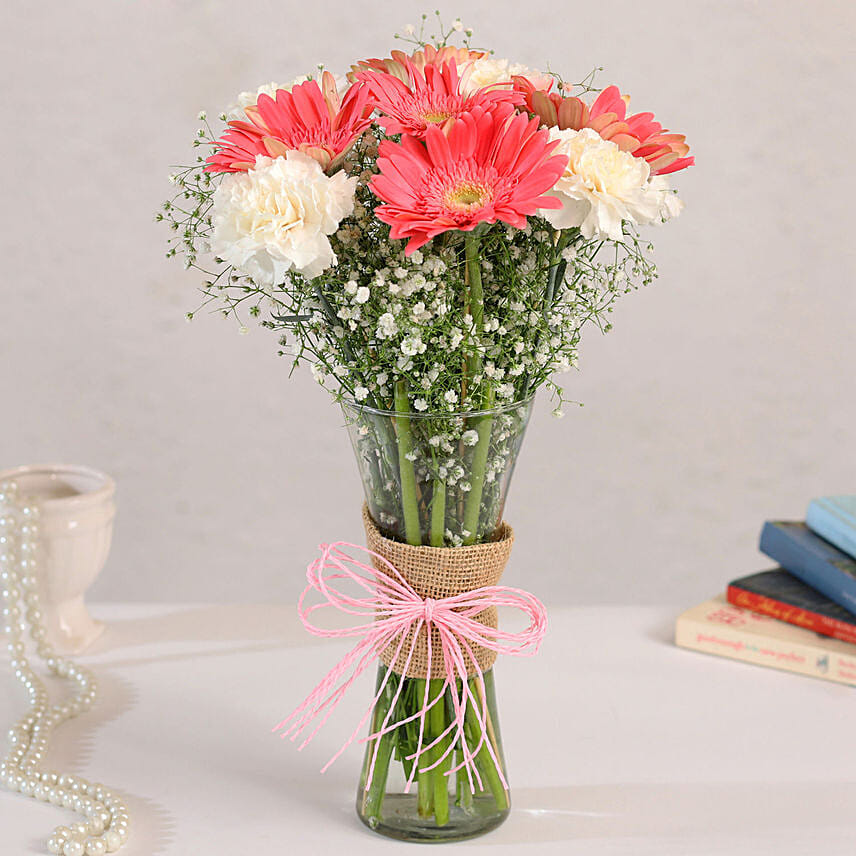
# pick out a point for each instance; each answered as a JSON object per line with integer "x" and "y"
{"x": 391, "y": 608}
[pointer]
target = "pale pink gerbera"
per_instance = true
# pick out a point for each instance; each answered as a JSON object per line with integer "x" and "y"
{"x": 639, "y": 134}
{"x": 489, "y": 165}
{"x": 398, "y": 62}
{"x": 310, "y": 118}
{"x": 430, "y": 97}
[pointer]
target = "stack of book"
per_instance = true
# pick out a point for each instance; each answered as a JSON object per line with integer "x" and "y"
{"x": 800, "y": 616}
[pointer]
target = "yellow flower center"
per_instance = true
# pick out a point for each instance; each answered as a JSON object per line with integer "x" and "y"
{"x": 435, "y": 117}
{"x": 467, "y": 195}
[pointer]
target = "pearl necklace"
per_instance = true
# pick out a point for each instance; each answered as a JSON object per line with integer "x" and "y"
{"x": 105, "y": 828}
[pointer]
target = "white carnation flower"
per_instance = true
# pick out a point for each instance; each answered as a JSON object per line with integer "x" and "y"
{"x": 488, "y": 71}
{"x": 277, "y": 217}
{"x": 602, "y": 186}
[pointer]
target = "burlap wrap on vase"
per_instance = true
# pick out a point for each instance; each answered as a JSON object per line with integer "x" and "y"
{"x": 439, "y": 572}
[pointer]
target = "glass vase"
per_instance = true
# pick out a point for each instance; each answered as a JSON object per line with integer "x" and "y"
{"x": 439, "y": 480}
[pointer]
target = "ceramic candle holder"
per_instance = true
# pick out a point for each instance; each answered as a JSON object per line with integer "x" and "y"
{"x": 75, "y": 526}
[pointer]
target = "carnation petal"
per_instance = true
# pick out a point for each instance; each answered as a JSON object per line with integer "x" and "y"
{"x": 276, "y": 217}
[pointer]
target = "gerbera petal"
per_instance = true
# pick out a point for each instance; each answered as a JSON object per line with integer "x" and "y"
{"x": 305, "y": 119}
{"x": 636, "y": 134}
{"x": 439, "y": 149}
{"x": 609, "y": 101}
{"x": 492, "y": 165}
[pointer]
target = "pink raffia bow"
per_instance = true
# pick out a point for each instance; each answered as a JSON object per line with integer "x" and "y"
{"x": 392, "y": 608}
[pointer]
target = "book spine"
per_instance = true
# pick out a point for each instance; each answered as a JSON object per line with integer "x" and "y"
{"x": 725, "y": 641}
{"x": 832, "y": 526}
{"x": 811, "y": 568}
{"x": 795, "y": 615}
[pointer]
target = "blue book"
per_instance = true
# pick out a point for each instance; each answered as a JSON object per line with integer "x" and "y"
{"x": 815, "y": 561}
{"x": 834, "y": 518}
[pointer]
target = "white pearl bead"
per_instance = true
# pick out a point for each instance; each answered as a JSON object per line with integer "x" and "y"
{"x": 95, "y": 847}
{"x": 112, "y": 840}
{"x": 55, "y": 844}
{"x": 73, "y": 847}
{"x": 62, "y": 832}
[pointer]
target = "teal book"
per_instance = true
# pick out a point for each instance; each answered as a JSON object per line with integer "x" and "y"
{"x": 834, "y": 518}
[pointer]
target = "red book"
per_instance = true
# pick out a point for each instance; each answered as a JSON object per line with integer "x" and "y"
{"x": 781, "y": 595}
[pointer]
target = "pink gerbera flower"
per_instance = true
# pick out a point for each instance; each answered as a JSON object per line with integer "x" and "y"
{"x": 638, "y": 134}
{"x": 311, "y": 119}
{"x": 489, "y": 165}
{"x": 398, "y": 62}
{"x": 430, "y": 97}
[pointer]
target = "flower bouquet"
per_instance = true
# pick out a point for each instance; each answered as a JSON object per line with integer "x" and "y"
{"x": 431, "y": 233}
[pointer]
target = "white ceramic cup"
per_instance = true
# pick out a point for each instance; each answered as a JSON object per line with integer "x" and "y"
{"x": 75, "y": 527}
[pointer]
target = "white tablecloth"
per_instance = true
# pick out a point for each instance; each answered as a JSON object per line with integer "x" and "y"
{"x": 617, "y": 743}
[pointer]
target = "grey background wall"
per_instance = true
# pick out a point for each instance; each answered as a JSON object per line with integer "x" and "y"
{"x": 724, "y": 395}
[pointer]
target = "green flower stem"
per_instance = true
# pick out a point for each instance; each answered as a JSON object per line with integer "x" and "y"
{"x": 438, "y": 514}
{"x": 472, "y": 243}
{"x": 465, "y": 795}
{"x": 424, "y": 780}
{"x": 472, "y": 507}
{"x": 438, "y": 723}
{"x": 472, "y": 504}
{"x": 486, "y": 765}
{"x": 557, "y": 270}
{"x": 373, "y": 799}
{"x": 409, "y": 499}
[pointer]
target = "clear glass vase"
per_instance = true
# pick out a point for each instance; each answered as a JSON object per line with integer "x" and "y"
{"x": 435, "y": 478}
{"x": 441, "y": 805}
{"x": 439, "y": 480}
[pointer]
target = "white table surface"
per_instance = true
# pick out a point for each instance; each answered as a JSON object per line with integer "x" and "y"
{"x": 617, "y": 743}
